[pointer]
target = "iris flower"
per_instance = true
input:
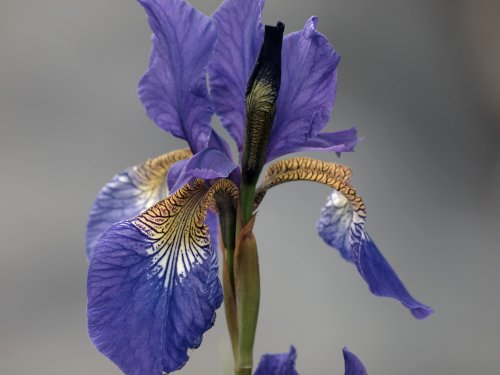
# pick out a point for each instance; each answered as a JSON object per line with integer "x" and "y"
{"x": 155, "y": 229}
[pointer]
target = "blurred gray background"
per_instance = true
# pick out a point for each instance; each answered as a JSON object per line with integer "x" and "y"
{"x": 420, "y": 79}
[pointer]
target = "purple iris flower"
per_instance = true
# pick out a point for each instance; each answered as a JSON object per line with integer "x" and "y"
{"x": 284, "y": 364}
{"x": 152, "y": 236}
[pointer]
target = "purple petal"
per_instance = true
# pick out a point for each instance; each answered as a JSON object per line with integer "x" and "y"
{"x": 383, "y": 281}
{"x": 239, "y": 37}
{"x": 340, "y": 141}
{"x": 353, "y": 365}
{"x": 174, "y": 173}
{"x": 150, "y": 296}
{"x": 340, "y": 227}
{"x": 278, "y": 364}
{"x": 208, "y": 164}
{"x": 335, "y": 222}
{"x": 212, "y": 221}
{"x": 307, "y": 94}
{"x": 219, "y": 143}
{"x": 129, "y": 193}
{"x": 218, "y": 161}
{"x": 215, "y": 141}
{"x": 173, "y": 90}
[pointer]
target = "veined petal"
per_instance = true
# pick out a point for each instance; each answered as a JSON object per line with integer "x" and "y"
{"x": 208, "y": 164}
{"x": 309, "y": 82}
{"x": 342, "y": 225}
{"x": 129, "y": 193}
{"x": 353, "y": 365}
{"x": 278, "y": 364}
{"x": 173, "y": 90}
{"x": 335, "y": 225}
{"x": 239, "y": 37}
{"x": 153, "y": 284}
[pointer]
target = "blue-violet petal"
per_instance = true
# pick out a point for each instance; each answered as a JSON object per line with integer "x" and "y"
{"x": 307, "y": 94}
{"x": 131, "y": 192}
{"x": 239, "y": 37}
{"x": 209, "y": 164}
{"x": 173, "y": 90}
{"x": 153, "y": 285}
{"x": 340, "y": 227}
{"x": 353, "y": 365}
{"x": 278, "y": 364}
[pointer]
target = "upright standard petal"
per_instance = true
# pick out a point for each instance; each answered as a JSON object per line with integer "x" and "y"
{"x": 153, "y": 284}
{"x": 239, "y": 37}
{"x": 278, "y": 364}
{"x": 309, "y": 82}
{"x": 342, "y": 225}
{"x": 353, "y": 365}
{"x": 129, "y": 193}
{"x": 173, "y": 90}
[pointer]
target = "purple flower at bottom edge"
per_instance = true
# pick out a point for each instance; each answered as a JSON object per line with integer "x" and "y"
{"x": 284, "y": 364}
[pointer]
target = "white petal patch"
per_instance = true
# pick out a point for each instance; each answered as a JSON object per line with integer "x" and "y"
{"x": 179, "y": 238}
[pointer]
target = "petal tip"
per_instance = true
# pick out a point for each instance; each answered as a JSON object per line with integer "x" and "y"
{"x": 383, "y": 281}
{"x": 353, "y": 365}
{"x": 422, "y": 312}
{"x": 311, "y": 26}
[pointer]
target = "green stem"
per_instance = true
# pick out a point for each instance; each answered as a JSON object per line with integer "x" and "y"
{"x": 247, "y": 196}
{"x": 227, "y": 218}
{"x": 244, "y": 371}
{"x": 246, "y": 268}
{"x": 241, "y": 279}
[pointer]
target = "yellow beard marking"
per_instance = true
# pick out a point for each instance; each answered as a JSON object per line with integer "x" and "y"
{"x": 334, "y": 175}
{"x": 338, "y": 171}
{"x": 176, "y": 228}
{"x": 150, "y": 176}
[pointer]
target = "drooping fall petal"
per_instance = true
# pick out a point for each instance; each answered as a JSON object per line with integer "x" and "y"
{"x": 173, "y": 90}
{"x": 153, "y": 284}
{"x": 334, "y": 226}
{"x": 342, "y": 225}
{"x": 129, "y": 193}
